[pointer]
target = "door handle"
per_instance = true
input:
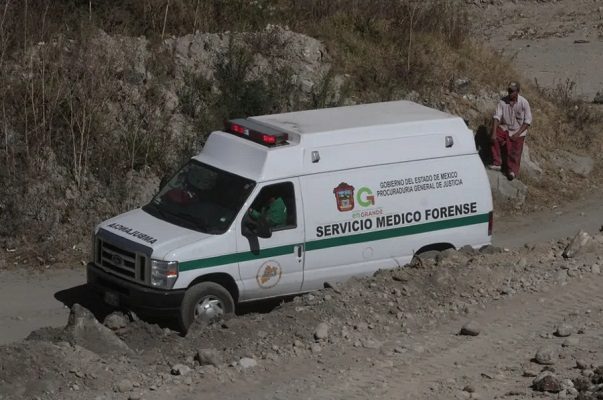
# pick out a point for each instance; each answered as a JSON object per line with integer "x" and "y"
{"x": 298, "y": 250}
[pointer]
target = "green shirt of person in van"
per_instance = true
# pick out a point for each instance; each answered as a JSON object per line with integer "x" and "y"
{"x": 275, "y": 212}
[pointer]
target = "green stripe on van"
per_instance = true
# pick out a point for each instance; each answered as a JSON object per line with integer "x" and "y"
{"x": 396, "y": 232}
{"x": 335, "y": 242}
{"x": 236, "y": 257}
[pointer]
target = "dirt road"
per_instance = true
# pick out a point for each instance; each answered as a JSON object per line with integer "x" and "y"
{"x": 30, "y": 301}
{"x": 552, "y": 42}
{"x": 437, "y": 363}
{"x": 392, "y": 336}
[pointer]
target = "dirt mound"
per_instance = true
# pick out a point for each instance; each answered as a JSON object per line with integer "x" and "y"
{"x": 385, "y": 313}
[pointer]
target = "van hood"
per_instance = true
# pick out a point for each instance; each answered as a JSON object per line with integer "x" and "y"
{"x": 158, "y": 237}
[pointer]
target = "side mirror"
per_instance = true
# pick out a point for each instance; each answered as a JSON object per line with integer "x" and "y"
{"x": 259, "y": 228}
{"x": 263, "y": 230}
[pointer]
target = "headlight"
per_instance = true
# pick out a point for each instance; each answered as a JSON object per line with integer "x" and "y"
{"x": 164, "y": 273}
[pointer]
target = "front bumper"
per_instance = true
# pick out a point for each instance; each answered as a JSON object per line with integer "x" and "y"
{"x": 130, "y": 295}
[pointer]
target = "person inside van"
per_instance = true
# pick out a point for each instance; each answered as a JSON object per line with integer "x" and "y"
{"x": 273, "y": 211}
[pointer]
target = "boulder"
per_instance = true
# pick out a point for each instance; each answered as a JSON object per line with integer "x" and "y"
{"x": 545, "y": 356}
{"x": 471, "y": 328}
{"x": 322, "y": 331}
{"x": 580, "y": 165}
{"x": 84, "y": 330}
{"x": 578, "y": 242}
{"x": 529, "y": 167}
{"x": 180, "y": 369}
{"x": 209, "y": 357}
{"x": 123, "y": 386}
{"x": 115, "y": 321}
{"x": 564, "y": 330}
{"x": 247, "y": 362}
{"x": 505, "y": 190}
{"x": 598, "y": 98}
{"x": 547, "y": 382}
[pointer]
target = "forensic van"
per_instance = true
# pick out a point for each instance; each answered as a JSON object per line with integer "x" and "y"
{"x": 280, "y": 204}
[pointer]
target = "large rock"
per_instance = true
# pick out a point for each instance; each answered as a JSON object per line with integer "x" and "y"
{"x": 564, "y": 330}
{"x": 322, "y": 331}
{"x": 598, "y": 98}
{"x": 505, "y": 190}
{"x": 545, "y": 356}
{"x": 580, "y": 165}
{"x": 304, "y": 56}
{"x": 115, "y": 321}
{"x": 247, "y": 362}
{"x": 180, "y": 369}
{"x": 547, "y": 382}
{"x": 578, "y": 242}
{"x": 528, "y": 165}
{"x": 471, "y": 328}
{"x": 84, "y": 330}
{"x": 209, "y": 357}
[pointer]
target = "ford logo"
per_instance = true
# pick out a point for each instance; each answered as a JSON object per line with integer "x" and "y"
{"x": 117, "y": 260}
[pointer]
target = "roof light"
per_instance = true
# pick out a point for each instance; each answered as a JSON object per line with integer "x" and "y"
{"x": 256, "y": 132}
{"x": 268, "y": 139}
{"x": 236, "y": 128}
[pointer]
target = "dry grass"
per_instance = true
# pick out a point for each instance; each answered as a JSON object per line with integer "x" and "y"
{"x": 55, "y": 86}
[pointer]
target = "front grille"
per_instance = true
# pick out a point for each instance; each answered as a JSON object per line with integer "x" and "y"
{"x": 120, "y": 261}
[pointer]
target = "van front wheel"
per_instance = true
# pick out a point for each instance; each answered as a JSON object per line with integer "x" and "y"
{"x": 207, "y": 301}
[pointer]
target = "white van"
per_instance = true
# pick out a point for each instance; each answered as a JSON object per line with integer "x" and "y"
{"x": 280, "y": 204}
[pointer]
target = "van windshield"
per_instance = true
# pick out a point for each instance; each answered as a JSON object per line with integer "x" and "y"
{"x": 201, "y": 197}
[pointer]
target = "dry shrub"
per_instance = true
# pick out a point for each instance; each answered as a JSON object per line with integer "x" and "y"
{"x": 573, "y": 123}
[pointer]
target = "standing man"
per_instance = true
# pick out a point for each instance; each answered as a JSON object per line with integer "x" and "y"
{"x": 509, "y": 129}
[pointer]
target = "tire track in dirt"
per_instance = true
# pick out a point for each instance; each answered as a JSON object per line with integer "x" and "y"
{"x": 510, "y": 337}
{"x": 511, "y": 329}
{"x": 508, "y": 342}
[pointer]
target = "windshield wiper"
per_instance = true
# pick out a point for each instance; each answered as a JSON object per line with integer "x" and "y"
{"x": 156, "y": 208}
{"x": 191, "y": 221}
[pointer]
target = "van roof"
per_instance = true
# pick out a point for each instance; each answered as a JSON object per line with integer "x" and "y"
{"x": 356, "y": 116}
{"x": 342, "y": 138}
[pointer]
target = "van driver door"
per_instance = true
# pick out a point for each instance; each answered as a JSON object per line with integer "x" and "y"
{"x": 271, "y": 266}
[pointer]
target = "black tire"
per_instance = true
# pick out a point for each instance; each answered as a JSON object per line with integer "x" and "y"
{"x": 214, "y": 295}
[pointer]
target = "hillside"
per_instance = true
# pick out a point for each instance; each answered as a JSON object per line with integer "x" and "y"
{"x": 100, "y": 102}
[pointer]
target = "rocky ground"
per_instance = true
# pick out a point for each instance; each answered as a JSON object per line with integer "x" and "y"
{"x": 493, "y": 323}
{"x": 553, "y": 42}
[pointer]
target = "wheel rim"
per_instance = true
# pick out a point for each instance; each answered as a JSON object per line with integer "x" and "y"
{"x": 209, "y": 308}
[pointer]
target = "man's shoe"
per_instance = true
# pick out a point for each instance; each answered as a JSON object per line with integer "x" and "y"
{"x": 494, "y": 167}
{"x": 511, "y": 176}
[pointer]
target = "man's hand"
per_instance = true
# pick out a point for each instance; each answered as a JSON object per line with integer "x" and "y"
{"x": 517, "y": 134}
{"x": 495, "y": 123}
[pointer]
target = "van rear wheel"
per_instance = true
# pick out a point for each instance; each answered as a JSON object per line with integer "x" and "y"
{"x": 207, "y": 301}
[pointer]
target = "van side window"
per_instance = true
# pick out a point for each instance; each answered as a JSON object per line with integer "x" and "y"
{"x": 275, "y": 204}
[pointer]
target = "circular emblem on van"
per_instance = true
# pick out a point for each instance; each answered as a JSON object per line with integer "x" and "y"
{"x": 269, "y": 274}
{"x": 117, "y": 260}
